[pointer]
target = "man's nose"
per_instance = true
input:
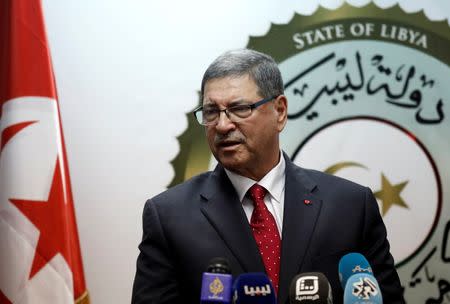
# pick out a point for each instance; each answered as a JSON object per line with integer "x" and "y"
{"x": 224, "y": 124}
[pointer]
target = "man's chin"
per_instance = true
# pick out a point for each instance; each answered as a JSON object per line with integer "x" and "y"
{"x": 231, "y": 163}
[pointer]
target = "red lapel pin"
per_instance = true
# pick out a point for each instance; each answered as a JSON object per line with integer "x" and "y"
{"x": 307, "y": 202}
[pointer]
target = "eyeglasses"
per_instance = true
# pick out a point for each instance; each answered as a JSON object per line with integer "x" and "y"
{"x": 209, "y": 115}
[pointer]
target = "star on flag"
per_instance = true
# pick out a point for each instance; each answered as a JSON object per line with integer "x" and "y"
{"x": 50, "y": 218}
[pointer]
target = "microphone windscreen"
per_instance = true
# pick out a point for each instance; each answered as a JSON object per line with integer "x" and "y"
{"x": 219, "y": 265}
{"x": 362, "y": 288}
{"x": 253, "y": 288}
{"x": 351, "y": 264}
{"x": 310, "y": 287}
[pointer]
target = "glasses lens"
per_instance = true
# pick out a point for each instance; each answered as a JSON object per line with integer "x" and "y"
{"x": 209, "y": 115}
{"x": 240, "y": 111}
{"x": 198, "y": 115}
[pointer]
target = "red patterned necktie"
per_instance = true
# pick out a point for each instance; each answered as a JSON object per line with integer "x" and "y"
{"x": 266, "y": 234}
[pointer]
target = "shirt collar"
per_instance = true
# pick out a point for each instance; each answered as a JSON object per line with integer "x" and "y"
{"x": 273, "y": 181}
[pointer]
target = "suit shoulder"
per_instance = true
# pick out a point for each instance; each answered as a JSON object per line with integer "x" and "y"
{"x": 322, "y": 178}
{"x": 182, "y": 191}
{"x": 338, "y": 192}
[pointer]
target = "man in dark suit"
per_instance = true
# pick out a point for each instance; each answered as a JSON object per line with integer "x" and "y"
{"x": 315, "y": 218}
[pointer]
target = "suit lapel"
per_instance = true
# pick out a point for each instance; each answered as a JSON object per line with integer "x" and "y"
{"x": 301, "y": 210}
{"x": 224, "y": 211}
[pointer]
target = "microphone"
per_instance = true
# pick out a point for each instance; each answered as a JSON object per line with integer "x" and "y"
{"x": 310, "y": 287}
{"x": 362, "y": 288}
{"x": 353, "y": 263}
{"x": 216, "y": 282}
{"x": 253, "y": 288}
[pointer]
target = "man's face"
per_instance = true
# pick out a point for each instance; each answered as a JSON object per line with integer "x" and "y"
{"x": 249, "y": 147}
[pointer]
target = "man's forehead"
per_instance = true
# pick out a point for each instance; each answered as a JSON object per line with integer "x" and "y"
{"x": 230, "y": 89}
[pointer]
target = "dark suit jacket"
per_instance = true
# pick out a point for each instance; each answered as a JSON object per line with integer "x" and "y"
{"x": 191, "y": 223}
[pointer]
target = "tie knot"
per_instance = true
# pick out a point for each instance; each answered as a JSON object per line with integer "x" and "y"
{"x": 257, "y": 192}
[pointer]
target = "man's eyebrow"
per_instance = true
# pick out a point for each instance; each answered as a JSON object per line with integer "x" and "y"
{"x": 212, "y": 103}
{"x": 238, "y": 103}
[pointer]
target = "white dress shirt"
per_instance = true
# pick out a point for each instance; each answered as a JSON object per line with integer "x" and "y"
{"x": 274, "y": 182}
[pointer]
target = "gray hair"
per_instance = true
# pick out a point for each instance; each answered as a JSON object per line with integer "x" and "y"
{"x": 260, "y": 67}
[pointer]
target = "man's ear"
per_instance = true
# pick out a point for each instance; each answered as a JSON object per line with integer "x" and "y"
{"x": 280, "y": 104}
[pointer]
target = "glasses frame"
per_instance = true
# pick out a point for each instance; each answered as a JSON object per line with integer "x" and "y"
{"x": 251, "y": 106}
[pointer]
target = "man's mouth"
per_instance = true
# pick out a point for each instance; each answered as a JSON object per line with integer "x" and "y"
{"x": 228, "y": 144}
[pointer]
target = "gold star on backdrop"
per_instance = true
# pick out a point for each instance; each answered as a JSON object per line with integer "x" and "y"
{"x": 390, "y": 194}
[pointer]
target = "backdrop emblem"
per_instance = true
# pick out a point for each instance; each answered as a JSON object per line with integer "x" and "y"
{"x": 368, "y": 95}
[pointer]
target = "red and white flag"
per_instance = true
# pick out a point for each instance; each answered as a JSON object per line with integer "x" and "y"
{"x": 40, "y": 258}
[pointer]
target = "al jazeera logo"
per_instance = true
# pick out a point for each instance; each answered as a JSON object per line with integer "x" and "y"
{"x": 216, "y": 287}
{"x": 368, "y": 99}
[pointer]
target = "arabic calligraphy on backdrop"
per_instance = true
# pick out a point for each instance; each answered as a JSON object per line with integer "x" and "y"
{"x": 393, "y": 84}
{"x": 424, "y": 272}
